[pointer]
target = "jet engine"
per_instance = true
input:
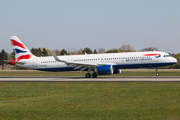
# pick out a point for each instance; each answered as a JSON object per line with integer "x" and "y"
{"x": 105, "y": 70}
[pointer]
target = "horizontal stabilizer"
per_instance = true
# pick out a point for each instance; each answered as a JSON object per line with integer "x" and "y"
{"x": 13, "y": 62}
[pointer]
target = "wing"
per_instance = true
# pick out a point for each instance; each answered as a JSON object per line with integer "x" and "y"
{"x": 77, "y": 65}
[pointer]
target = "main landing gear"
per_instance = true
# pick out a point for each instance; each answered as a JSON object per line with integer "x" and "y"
{"x": 157, "y": 74}
{"x": 88, "y": 75}
{"x": 94, "y": 75}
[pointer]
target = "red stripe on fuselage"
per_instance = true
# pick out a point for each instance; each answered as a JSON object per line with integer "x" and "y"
{"x": 15, "y": 43}
{"x": 151, "y": 54}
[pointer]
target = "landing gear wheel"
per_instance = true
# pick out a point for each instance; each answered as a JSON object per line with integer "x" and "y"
{"x": 94, "y": 75}
{"x": 88, "y": 75}
{"x": 157, "y": 74}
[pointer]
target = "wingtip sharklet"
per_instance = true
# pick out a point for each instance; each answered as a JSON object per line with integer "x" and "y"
{"x": 56, "y": 58}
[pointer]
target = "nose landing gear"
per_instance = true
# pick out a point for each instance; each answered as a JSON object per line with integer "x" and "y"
{"x": 157, "y": 74}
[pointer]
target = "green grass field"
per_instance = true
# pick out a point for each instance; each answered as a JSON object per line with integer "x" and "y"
{"x": 82, "y": 74}
{"x": 90, "y": 100}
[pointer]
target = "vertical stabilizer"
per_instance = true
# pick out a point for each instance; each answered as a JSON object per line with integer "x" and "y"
{"x": 20, "y": 50}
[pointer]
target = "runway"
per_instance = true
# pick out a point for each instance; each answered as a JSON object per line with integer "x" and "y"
{"x": 82, "y": 79}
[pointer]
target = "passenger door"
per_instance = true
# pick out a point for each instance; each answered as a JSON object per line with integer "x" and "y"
{"x": 34, "y": 62}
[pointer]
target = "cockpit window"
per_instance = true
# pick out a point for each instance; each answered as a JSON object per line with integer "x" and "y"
{"x": 167, "y": 55}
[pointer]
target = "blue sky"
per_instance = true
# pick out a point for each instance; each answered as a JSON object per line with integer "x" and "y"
{"x": 70, "y": 24}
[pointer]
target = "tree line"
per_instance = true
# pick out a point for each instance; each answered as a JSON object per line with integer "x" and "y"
{"x": 3, "y": 56}
{"x": 46, "y": 52}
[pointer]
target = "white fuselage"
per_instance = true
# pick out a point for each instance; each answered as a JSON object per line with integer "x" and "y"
{"x": 117, "y": 60}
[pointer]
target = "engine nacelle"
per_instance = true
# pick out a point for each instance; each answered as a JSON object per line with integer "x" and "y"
{"x": 105, "y": 70}
{"x": 117, "y": 71}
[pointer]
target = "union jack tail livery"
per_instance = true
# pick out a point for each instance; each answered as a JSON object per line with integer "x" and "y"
{"x": 20, "y": 51}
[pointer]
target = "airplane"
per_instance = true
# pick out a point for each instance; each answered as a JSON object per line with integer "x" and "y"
{"x": 100, "y": 64}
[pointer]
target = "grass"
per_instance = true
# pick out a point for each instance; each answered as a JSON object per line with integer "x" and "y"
{"x": 82, "y": 74}
{"x": 90, "y": 100}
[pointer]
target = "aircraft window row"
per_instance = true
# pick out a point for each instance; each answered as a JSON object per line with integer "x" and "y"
{"x": 126, "y": 58}
{"x": 112, "y": 58}
{"x": 105, "y": 59}
{"x": 48, "y": 61}
{"x": 87, "y": 60}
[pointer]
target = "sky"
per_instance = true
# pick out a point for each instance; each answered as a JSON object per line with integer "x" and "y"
{"x": 75, "y": 24}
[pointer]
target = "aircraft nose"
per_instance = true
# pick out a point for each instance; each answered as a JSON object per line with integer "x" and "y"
{"x": 174, "y": 60}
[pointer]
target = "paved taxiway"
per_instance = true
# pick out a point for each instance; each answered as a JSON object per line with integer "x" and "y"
{"x": 82, "y": 79}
